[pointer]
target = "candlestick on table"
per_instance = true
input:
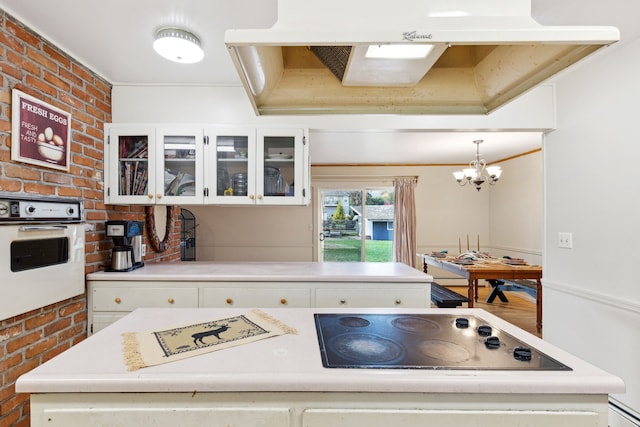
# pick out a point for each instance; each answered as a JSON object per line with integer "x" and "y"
{"x": 467, "y": 242}
{"x": 459, "y": 246}
{"x": 478, "y": 243}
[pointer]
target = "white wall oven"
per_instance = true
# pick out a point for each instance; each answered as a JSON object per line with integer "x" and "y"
{"x": 41, "y": 252}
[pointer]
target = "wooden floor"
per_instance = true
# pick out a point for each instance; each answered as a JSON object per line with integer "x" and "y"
{"x": 519, "y": 311}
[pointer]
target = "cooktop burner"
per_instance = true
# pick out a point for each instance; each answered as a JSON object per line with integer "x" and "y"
{"x": 423, "y": 341}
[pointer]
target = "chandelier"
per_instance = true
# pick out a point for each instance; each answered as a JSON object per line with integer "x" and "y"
{"x": 478, "y": 172}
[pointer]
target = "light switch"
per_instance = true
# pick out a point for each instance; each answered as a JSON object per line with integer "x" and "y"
{"x": 565, "y": 240}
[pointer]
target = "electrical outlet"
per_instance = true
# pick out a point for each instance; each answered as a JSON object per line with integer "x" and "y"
{"x": 565, "y": 240}
{"x": 144, "y": 250}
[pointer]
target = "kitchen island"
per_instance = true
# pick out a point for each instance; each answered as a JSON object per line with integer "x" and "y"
{"x": 281, "y": 381}
{"x": 111, "y": 295}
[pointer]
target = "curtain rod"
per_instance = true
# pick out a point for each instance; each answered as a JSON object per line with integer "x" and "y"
{"x": 360, "y": 177}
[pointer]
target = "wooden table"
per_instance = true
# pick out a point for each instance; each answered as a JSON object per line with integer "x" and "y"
{"x": 487, "y": 271}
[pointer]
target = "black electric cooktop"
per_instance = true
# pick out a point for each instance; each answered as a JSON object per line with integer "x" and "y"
{"x": 423, "y": 341}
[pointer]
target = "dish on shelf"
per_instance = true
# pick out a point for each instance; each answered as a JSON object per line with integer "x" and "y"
{"x": 514, "y": 261}
{"x": 279, "y": 156}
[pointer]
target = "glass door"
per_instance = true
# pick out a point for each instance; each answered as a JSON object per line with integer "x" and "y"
{"x": 231, "y": 176}
{"x": 356, "y": 225}
{"x": 179, "y": 178}
{"x": 279, "y": 172}
{"x": 131, "y": 165}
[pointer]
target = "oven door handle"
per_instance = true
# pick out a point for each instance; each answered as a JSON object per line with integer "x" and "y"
{"x": 42, "y": 227}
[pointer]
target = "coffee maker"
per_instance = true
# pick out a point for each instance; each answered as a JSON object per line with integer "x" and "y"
{"x": 126, "y": 254}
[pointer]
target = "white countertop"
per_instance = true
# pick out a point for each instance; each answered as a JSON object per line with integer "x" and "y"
{"x": 290, "y": 363}
{"x": 271, "y": 271}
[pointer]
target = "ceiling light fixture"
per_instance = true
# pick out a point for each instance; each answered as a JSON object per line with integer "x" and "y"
{"x": 178, "y": 45}
{"x": 478, "y": 172}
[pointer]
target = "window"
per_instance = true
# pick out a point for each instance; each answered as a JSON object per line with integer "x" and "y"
{"x": 356, "y": 224}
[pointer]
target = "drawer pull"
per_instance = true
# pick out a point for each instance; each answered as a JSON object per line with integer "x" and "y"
{"x": 398, "y": 301}
{"x": 229, "y": 301}
{"x": 171, "y": 300}
{"x": 118, "y": 300}
{"x": 283, "y": 301}
{"x": 343, "y": 301}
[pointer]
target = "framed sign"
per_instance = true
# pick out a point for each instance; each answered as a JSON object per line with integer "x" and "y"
{"x": 40, "y": 132}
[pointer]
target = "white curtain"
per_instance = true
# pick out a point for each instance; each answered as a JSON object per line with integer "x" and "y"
{"x": 404, "y": 219}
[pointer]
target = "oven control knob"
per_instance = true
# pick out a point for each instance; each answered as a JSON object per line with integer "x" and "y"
{"x": 70, "y": 211}
{"x": 522, "y": 353}
{"x": 492, "y": 342}
{"x": 30, "y": 209}
{"x": 484, "y": 330}
{"x": 462, "y": 323}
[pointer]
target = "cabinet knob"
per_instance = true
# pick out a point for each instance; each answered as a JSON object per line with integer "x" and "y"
{"x": 283, "y": 301}
{"x": 150, "y": 196}
{"x": 259, "y": 196}
{"x": 118, "y": 300}
{"x": 171, "y": 300}
{"x": 229, "y": 301}
{"x": 252, "y": 197}
{"x": 343, "y": 301}
{"x": 159, "y": 196}
{"x": 398, "y": 301}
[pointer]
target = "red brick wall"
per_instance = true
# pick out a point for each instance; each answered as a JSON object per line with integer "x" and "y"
{"x": 33, "y": 65}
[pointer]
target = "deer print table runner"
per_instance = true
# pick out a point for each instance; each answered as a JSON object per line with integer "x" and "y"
{"x": 142, "y": 349}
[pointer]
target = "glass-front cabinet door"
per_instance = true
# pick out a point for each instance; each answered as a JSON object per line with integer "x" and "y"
{"x": 148, "y": 165}
{"x": 179, "y": 162}
{"x": 282, "y": 157}
{"x": 231, "y": 173}
{"x": 131, "y": 165}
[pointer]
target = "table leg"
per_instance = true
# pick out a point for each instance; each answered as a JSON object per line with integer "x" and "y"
{"x": 471, "y": 293}
{"x": 496, "y": 292}
{"x": 475, "y": 290}
{"x": 538, "y": 305}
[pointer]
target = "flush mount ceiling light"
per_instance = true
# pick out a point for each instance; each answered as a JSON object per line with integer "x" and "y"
{"x": 178, "y": 45}
{"x": 478, "y": 172}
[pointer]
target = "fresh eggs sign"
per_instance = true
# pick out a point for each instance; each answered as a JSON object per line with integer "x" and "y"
{"x": 39, "y": 133}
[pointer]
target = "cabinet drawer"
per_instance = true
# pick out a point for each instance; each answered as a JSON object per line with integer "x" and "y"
{"x": 129, "y": 415}
{"x": 446, "y": 418}
{"x": 362, "y": 297}
{"x": 128, "y": 299}
{"x": 255, "y": 297}
{"x": 102, "y": 320}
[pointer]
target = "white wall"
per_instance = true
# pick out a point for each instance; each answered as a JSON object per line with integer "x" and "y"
{"x": 254, "y": 233}
{"x": 592, "y": 292}
{"x": 229, "y": 105}
{"x": 516, "y": 209}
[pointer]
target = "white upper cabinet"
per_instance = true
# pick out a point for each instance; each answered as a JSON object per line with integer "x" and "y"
{"x": 180, "y": 160}
{"x": 129, "y": 163}
{"x": 282, "y": 161}
{"x": 230, "y": 174}
{"x": 149, "y": 165}
{"x": 257, "y": 167}
{"x": 176, "y": 165}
